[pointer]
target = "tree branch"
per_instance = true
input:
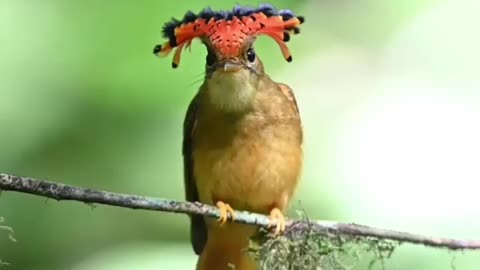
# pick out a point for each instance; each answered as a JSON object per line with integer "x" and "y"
{"x": 60, "y": 191}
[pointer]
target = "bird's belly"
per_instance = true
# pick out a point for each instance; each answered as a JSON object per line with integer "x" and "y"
{"x": 249, "y": 174}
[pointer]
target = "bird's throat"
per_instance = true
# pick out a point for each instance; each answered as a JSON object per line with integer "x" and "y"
{"x": 232, "y": 91}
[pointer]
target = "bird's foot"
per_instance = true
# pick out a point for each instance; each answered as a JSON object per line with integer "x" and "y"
{"x": 225, "y": 209}
{"x": 277, "y": 219}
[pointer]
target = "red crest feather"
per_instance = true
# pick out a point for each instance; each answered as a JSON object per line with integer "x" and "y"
{"x": 227, "y": 31}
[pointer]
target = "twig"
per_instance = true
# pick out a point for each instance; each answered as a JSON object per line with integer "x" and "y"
{"x": 60, "y": 191}
{"x": 9, "y": 230}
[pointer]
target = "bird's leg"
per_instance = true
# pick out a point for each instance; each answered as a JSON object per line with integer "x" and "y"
{"x": 277, "y": 219}
{"x": 225, "y": 209}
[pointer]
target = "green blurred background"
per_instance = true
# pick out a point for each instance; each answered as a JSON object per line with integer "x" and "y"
{"x": 390, "y": 99}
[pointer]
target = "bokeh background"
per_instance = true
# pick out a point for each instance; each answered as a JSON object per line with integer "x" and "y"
{"x": 389, "y": 93}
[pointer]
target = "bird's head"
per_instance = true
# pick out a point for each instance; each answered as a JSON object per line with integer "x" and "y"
{"x": 232, "y": 66}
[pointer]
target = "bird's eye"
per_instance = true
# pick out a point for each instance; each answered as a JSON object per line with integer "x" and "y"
{"x": 251, "y": 55}
{"x": 211, "y": 58}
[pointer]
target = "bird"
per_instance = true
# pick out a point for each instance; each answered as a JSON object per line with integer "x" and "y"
{"x": 242, "y": 133}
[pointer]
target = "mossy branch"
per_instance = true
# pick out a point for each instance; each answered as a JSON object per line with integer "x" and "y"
{"x": 334, "y": 231}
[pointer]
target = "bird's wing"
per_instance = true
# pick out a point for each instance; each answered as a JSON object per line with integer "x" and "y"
{"x": 288, "y": 93}
{"x": 198, "y": 229}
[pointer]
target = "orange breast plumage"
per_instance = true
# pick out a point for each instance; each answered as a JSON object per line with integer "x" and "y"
{"x": 252, "y": 162}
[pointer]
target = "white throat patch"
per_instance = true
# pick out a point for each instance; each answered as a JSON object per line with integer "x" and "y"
{"x": 231, "y": 91}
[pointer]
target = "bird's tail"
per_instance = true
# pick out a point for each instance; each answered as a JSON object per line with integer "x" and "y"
{"x": 226, "y": 248}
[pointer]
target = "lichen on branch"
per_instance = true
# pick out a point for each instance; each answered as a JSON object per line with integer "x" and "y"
{"x": 306, "y": 248}
{"x": 323, "y": 244}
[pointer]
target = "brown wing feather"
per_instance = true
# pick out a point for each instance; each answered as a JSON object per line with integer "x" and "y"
{"x": 288, "y": 93}
{"x": 198, "y": 229}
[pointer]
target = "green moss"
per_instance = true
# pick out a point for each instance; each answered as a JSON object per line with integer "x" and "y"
{"x": 308, "y": 249}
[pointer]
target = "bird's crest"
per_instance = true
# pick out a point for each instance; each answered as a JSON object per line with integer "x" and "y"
{"x": 227, "y": 31}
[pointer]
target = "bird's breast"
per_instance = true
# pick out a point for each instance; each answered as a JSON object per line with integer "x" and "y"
{"x": 250, "y": 163}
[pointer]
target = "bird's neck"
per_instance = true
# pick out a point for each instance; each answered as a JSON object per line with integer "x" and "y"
{"x": 232, "y": 92}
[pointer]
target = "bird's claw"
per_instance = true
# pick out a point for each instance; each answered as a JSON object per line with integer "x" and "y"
{"x": 277, "y": 219}
{"x": 225, "y": 209}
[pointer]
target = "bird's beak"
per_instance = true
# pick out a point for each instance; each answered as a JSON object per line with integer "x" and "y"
{"x": 231, "y": 67}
